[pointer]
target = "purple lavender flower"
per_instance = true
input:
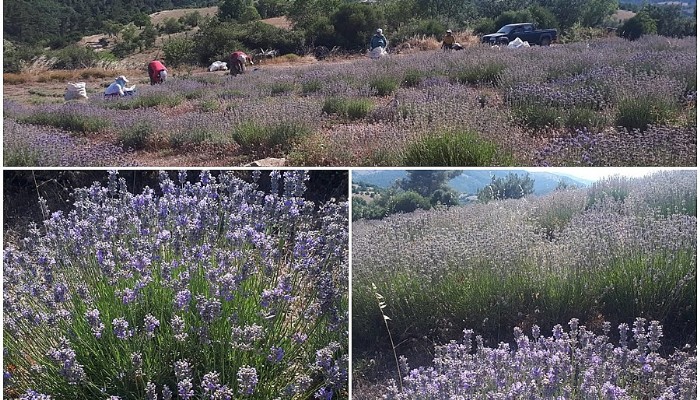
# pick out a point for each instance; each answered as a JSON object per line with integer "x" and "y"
{"x": 276, "y": 354}
{"x": 209, "y": 309}
{"x": 247, "y": 380}
{"x": 93, "y": 318}
{"x": 32, "y": 395}
{"x": 167, "y": 393}
{"x": 183, "y": 370}
{"x": 121, "y": 328}
{"x": 150, "y": 323}
{"x": 184, "y": 389}
{"x": 66, "y": 358}
{"x": 151, "y": 393}
{"x": 182, "y": 299}
{"x": 178, "y": 325}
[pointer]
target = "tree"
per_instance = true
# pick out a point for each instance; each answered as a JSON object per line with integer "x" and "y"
{"x": 355, "y": 23}
{"x": 670, "y": 20}
{"x": 427, "y": 182}
{"x": 232, "y": 9}
{"x": 141, "y": 20}
{"x": 595, "y": 12}
{"x": 148, "y": 35}
{"x": 408, "y": 201}
{"x": 512, "y": 186}
{"x": 637, "y": 26}
{"x": 178, "y": 50}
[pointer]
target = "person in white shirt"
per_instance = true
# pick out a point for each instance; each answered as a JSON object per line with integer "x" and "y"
{"x": 118, "y": 87}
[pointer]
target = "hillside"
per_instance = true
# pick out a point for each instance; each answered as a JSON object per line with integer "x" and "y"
{"x": 471, "y": 181}
{"x": 56, "y": 22}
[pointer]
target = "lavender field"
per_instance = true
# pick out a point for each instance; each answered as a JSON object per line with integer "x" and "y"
{"x": 487, "y": 290}
{"x": 608, "y": 102}
{"x": 211, "y": 289}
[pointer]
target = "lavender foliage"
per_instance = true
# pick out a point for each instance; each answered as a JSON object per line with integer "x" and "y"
{"x": 574, "y": 364}
{"x": 181, "y": 274}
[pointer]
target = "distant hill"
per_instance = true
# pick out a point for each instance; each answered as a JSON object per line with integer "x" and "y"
{"x": 47, "y": 21}
{"x": 471, "y": 181}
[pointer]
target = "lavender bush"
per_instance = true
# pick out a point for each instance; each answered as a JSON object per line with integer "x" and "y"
{"x": 587, "y": 253}
{"x": 209, "y": 290}
{"x": 533, "y": 104}
{"x": 570, "y": 364}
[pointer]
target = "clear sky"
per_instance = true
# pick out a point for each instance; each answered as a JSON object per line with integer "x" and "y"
{"x": 596, "y": 173}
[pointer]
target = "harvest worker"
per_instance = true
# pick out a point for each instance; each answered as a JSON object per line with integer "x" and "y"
{"x": 118, "y": 87}
{"x": 378, "y": 40}
{"x": 157, "y": 72}
{"x": 448, "y": 41}
{"x": 237, "y": 62}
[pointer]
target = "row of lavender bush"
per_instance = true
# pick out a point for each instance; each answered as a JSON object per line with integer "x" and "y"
{"x": 621, "y": 249}
{"x": 576, "y": 364}
{"x": 607, "y": 102}
{"x": 209, "y": 290}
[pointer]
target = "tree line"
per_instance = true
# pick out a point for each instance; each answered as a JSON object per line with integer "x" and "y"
{"x": 430, "y": 189}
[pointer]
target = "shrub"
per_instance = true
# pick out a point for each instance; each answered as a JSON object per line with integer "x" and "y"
{"x": 412, "y": 78}
{"x": 408, "y": 201}
{"x": 355, "y": 23}
{"x": 383, "y": 85}
{"x": 484, "y": 26}
{"x": 311, "y": 86}
{"x": 637, "y": 26}
{"x": 214, "y": 306}
{"x": 20, "y": 156}
{"x": 75, "y": 57}
{"x": 266, "y": 140}
{"x": 486, "y": 73}
{"x": 172, "y": 25}
{"x": 136, "y": 136}
{"x": 537, "y": 117}
{"x": 179, "y": 50}
{"x": 147, "y": 101}
{"x": 451, "y": 149}
{"x": 579, "y": 118}
{"x": 281, "y": 88}
{"x": 352, "y": 109}
{"x": 640, "y": 112}
{"x": 209, "y": 105}
{"x": 421, "y": 27}
{"x": 72, "y": 122}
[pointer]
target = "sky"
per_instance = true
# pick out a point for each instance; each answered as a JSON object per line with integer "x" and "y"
{"x": 596, "y": 173}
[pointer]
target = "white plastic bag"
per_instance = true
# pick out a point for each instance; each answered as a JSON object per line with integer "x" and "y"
{"x": 218, "y": 66}
{"x": 518, "y": 43}
{"x": 377, "y": 52}
{"x": 75, "y": 91}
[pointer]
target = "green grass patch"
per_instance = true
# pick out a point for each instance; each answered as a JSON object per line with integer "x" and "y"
{"x": 279, "y": 88}
{"x": 538, "y": 116}
{"x": 74, "y": 123}
{"x": 487, "y": 73}
{"x": 312, "y": 86}
{"x": 638, "y": 113}
{"x": 148, "y": 101}
{"x": 209, "y": 105}
{"x": 137, "y": 135}
{"x": 452, "y": 149}
{"x": 20, "y": 156}
{"x": 384, "y": 85}
{"x": 351, "y": 109}
{"x": 266, "y": 140}
{"x": 412, "y": 78}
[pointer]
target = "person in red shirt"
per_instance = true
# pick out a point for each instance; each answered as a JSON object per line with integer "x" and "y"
{"x": 157, "y": 72}
{"x": 238, "y": 61}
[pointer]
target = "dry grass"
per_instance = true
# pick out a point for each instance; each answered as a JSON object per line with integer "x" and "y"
{"x": 427, "y": 43}
{"x": 280, "y": 22}
{"x": 161, "y": 16}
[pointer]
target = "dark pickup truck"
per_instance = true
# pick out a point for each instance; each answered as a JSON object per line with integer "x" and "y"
{"x": 526, "y": 33}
